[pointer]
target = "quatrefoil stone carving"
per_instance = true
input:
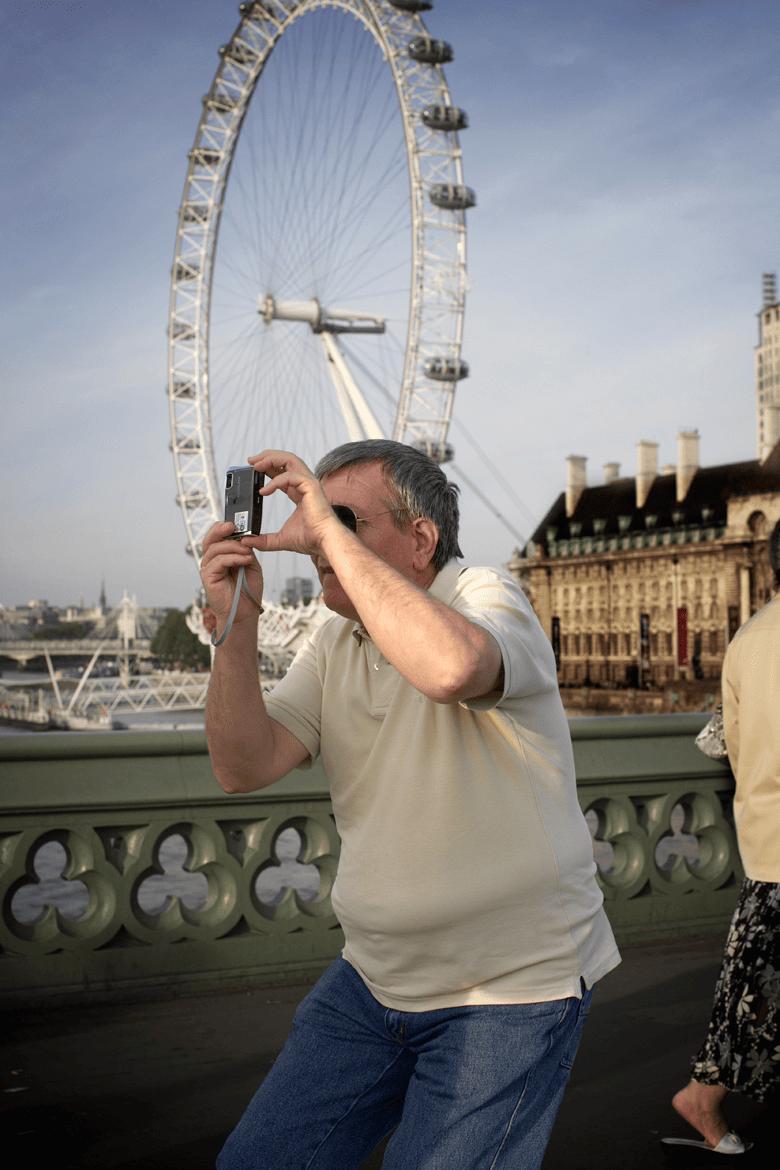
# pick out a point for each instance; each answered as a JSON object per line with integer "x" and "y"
{"x": 291, "y": 885}
{"x": 156, "y": 892}
{"x": 182, "y": 883}
{"x": 70, "y": 897}
{"x": 288, "y": 873}
{"x": 58, "y": 891}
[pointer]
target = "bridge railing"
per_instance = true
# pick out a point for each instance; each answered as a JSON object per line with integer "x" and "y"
{"x": 123, "y": 866}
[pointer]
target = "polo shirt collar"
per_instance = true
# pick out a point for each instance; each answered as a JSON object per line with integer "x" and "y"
{"x": 442, "y": 587}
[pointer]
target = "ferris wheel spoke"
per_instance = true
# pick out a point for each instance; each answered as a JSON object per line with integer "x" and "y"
{"x": 347, "y": 187}
{"x": 353, "y": 261}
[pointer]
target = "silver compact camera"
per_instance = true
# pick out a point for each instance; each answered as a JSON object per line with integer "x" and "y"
{"x": 243, "y": 502}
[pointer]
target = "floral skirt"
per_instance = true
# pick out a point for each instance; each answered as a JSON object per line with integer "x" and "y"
{"x": 742, "y": 1047}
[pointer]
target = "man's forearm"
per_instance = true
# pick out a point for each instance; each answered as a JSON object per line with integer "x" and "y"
{"x": 437, "y": 650}
{"x": 238, "y": 728}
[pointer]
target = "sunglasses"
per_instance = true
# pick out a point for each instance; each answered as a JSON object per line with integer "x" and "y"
{"x": 351, "y": 521}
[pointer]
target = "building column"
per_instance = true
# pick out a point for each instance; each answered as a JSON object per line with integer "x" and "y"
{"x": 744, "y": 594}
{"x": 675, "y": 620}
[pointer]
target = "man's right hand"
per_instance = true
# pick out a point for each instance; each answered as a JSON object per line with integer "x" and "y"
{"x": 222, "y": 558}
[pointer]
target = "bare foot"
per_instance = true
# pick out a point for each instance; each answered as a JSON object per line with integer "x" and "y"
{"x": 699, "y": 1105}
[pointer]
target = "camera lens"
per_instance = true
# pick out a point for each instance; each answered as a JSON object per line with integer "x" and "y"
{"x": 229, "y": 480}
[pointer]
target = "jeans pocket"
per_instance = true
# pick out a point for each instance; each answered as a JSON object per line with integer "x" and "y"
{"x": 575, "y": 1035}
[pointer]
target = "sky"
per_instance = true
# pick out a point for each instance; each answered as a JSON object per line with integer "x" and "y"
{"x": 624, "y": 156}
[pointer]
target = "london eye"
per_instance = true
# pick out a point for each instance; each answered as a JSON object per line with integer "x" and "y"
{"x": 319, "y": 274}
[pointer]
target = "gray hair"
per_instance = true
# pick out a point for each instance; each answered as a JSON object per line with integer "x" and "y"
{"x": 417, "y": 484}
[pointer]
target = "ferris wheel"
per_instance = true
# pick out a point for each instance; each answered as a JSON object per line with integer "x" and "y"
{"x": 319, "y": 274}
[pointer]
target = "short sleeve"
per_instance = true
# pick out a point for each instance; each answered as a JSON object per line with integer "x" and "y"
{"x": 496, "y": 602}
{"x": 296, "y": 700}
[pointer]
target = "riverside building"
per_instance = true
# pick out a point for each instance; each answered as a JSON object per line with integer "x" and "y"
{"x": 644, "y": 579}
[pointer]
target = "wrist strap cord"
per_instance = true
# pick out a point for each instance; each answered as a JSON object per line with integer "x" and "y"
{"x": 241, "y": 587}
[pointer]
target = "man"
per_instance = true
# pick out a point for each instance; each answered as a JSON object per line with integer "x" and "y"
{"x": 466, "y": 886}
{"x": 740, "y": 1053}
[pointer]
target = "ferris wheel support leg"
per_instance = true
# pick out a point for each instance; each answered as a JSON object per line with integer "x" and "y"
{"x": 84, "y": 677}
{"x": 358, "y": 416}
{"x": 52, "y": 676}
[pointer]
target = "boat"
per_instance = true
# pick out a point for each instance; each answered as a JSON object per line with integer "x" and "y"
{"x": 16, "y": 710}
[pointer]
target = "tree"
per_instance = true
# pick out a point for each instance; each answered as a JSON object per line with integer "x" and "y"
{"x": 176, "y": 646}
{"x": 62, "y": 631}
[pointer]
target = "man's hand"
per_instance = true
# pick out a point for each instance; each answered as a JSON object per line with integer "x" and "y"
{"x": 304, "y": 530}
{"x": 222, "y": 558}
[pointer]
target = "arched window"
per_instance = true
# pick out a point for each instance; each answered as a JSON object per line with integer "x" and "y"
{"x": 758, "y": 524}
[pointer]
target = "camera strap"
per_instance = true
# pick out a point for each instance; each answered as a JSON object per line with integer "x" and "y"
{"x": 241, "y": 587}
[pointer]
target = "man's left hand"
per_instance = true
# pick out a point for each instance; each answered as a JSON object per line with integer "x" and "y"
{"x": 304, "y": 530}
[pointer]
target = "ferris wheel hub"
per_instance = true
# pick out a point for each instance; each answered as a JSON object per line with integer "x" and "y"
{"x": 320, "y": 319}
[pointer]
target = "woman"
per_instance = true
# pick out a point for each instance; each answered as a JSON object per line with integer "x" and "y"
{"x": 741, "y": 1051}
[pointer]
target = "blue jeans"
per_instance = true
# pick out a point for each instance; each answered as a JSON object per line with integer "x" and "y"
{"x": 468, "y": 1088}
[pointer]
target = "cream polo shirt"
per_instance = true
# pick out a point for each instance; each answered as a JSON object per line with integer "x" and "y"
{"x": 751, "y": 719}
{"x": 466, "y": 873}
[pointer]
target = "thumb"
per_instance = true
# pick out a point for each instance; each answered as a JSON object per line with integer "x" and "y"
{"x": 268, "y": 542}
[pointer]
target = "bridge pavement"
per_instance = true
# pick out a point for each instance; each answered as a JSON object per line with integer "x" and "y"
{"x": 156, "y": 1085}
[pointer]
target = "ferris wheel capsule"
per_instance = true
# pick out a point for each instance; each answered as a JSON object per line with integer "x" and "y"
{"x": 183, "y": 388}
{"x": 203, "y": 157}
{"x": 446, "y": 369}
{"x": 221, "y": 102}
{"x": 430, "y": 52}
{"x": 452, "y": 196}
{"x": 444, "y": 118}
{"x": 239, "y": 52}
{"x": 412, "y": 5}
{"x": 440, "y": 452}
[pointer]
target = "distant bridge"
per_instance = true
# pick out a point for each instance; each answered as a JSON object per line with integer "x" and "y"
{"x": 162, "y": 691}
{"x": 124, "y": 633}
{"x": 24, "y": 650}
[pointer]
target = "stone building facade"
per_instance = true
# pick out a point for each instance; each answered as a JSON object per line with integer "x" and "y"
{"x": 644, "y": 580}
{"x": 768, "y": 369}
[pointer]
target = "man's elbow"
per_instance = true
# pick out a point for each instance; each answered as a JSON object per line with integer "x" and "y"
{"x": 462, "y": 681}
{"x": 236, "y": 783}
{"x": 476, "y": 672}
{"x": 446, "y": 695}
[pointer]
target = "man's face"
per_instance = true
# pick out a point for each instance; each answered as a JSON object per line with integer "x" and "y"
{"x": 363, "y": 489}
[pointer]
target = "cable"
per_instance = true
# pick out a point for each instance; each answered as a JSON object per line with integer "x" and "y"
{"x": 485, "y": 500}
{"x": 494, "y": 470}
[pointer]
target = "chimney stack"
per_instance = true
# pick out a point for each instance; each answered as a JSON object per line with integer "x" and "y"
{"x": 646, "y": 469}
{"x": 769, "y": 288}
{"x": 771, "y": 430}
{"x": 576, "y": 481}
{"x": 611, "y": 472}
{"x": 687, "y": 461}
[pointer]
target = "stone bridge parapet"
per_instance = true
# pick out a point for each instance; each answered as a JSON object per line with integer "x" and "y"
{"x": 123, "y": 866}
